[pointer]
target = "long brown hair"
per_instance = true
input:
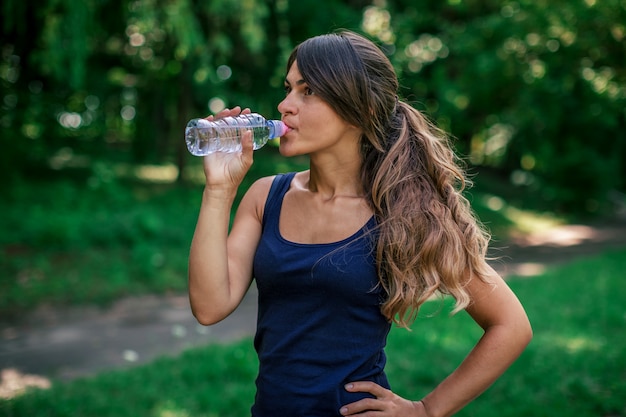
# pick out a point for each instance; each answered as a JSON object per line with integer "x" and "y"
{"x": 429, "y": 239}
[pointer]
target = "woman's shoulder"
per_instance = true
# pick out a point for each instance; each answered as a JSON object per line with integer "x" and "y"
{"x": 260, "y": 188}
{"x": 257, "y": 194}
{"x": 263, "y": 184}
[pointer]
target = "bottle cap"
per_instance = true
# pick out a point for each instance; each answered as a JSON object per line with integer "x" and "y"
{"x": 278, "y": 128}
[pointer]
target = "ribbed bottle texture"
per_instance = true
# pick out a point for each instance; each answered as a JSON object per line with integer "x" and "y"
{"x": 204, "y": 137}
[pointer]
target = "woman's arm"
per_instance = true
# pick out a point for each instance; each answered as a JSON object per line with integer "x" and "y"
{"x": 220, "y": 264}
{"x": 507, "y": 333}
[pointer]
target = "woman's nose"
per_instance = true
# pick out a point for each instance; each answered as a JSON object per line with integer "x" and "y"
{"x": 286, "y": 105}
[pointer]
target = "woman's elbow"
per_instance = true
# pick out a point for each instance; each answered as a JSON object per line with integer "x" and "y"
{"x": 520, "y": 333}
{"x": 526, "y": 332}
{"x": 207, "y": 317}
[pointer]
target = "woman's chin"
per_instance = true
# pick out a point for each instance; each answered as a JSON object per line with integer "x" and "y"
{"x": 285, "y": 149}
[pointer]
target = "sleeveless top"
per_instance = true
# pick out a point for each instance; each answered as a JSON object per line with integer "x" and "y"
{"x": 319, "y": 323}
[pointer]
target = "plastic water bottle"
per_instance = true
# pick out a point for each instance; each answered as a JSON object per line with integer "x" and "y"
{"x": 204, "y": 137}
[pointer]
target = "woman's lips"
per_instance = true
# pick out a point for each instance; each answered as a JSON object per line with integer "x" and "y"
{"x": 287, "y": 129}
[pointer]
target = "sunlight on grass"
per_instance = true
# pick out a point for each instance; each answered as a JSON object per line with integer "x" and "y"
{"x": 14, "y": 383}
{"x": 64, "y": 246}
{"x": 157, "y": 173}
{"x": 269, "y": 161}
{"x": 528, "y": 221}
{"x": 150, "y": 174}
{"x": 524, "y": 221}
{"x": 167, "y": 409}
{"x": 573, "y": 345}
{"x": 573, "y": 366}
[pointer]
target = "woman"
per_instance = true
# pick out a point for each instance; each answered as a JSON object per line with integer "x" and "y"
{"x": 374, "y": 228}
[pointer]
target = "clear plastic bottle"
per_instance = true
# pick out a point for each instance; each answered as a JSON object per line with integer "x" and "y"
{"x": 204, "y": 137}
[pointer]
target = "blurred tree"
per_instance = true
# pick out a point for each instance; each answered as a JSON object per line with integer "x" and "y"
{"x": 536, "y": 90}
{"x": 533, "y": 89}
{"x": 80, "y": 80}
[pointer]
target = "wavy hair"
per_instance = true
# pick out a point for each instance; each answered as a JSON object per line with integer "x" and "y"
{"x": 429, "y": 240}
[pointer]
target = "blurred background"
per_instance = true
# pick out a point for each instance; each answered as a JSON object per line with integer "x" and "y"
{"x": 97, "y": 89}
{"x": 96, "y": 95}
{"x": 99, "y": 196}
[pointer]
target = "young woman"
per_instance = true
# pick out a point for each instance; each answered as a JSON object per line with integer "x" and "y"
{"x": 341, "y": 251}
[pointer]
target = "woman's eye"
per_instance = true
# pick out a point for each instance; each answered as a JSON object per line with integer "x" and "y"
{"x": 306, "y": 91}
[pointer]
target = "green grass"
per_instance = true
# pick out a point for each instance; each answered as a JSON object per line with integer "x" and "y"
{"x": 68, "y": 245}
{"x": 573, "y": 367}
{"x": 114, "y": 232}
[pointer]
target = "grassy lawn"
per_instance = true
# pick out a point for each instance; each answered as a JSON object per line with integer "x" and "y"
{"x": 123, "y": 231}
{"x": 573, "y": 367}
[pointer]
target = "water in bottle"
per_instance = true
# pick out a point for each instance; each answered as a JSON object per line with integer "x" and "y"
{"x": 204, "y": 137}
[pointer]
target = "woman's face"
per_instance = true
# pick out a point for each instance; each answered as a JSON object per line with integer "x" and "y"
{"x": 316, "y": 126}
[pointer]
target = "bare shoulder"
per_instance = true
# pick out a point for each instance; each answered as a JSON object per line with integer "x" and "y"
{"x": 256, "y": 196}
{"x": 261, "y": 186}
{"x": 260, "y": 189}
{"x": 493, "y": 302}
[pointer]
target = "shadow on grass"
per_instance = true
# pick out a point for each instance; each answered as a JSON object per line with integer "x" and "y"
{"x": 573, "y": 366}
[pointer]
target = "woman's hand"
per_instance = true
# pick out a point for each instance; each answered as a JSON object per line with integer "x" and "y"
{"x": 226, "y": 170}
{"x": 386, "y": 403}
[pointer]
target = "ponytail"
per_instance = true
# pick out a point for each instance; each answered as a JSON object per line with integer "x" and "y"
{"x": 429, "y": 239}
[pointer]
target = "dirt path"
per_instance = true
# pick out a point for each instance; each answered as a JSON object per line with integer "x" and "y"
{"x": 79, "y": 342}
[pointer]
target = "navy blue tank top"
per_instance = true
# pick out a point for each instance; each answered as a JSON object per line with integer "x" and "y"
{"x": 319, "y": 322}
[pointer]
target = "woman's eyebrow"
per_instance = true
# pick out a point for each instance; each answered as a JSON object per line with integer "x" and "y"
{"x": 299, "y": 82}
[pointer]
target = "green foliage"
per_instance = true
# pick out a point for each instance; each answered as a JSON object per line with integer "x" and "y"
{"x": 573, "y": 366}
{"x": 536, "y": 90}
